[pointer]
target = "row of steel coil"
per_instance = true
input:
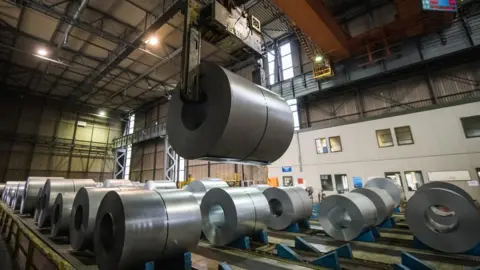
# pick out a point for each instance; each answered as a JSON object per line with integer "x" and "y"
{"x": 441, "y": 215}
{"x": 126, "y": 224}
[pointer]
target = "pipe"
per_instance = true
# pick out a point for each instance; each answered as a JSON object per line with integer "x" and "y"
{"x": 77, "y": 15}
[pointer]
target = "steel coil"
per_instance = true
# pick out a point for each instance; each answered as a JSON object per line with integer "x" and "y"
{"x": 62, "y": 208}
{"x": 2, "y": 188}
{"x": 231, "y": 213}
{"x": 32, "y": 186}
{"x": 230, "y": 106}
{"x": 109, "y": 183}
{"x": 169, "y": 224}
{"x": 452, "y": 187}
{"x": 381, "y": 199}
{"x": 160, "y": 184}
{"x": 38, "y": 203}
{"x": 84, "y": 213}
{"x": 50, "y": 192}
{"x": 344, "y": 217}
{"x": 199, "y": 196}
{"x": 388, "y": 185}
{"x": 262, "y": 188}
{"x": 457, "y": 233}
{"x": 17, "y": 196}
{"x": 287, "y": 205}
{"x": 205, "y": 185}
{"x": 10, "y": 187}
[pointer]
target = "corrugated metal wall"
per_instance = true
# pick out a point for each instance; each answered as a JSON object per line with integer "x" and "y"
{"x": 147, "y": 160}
{"x": 38, "y": 138}
{"x": 412, "y": 92}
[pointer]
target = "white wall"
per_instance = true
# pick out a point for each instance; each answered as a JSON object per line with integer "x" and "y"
{"x": 440, "y": 145}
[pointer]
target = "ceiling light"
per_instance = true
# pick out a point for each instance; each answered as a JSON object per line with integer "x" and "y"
{"x": 318, "y": 58}
{"x": 102, "y": 113}
{"x": 153, "y": 40}
{"x": 42, "y": 52}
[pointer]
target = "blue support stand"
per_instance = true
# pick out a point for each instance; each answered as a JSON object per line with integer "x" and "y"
{"x": 285, "y": 252}
{"x": 410, "y": 262}
{"x": 388, "y": 223}
{"x": 244, "y": 242}
{"x": 296, "y": 227}
{"x": 368, "y": 235}
{"x": 396, "y": 210}
{"x": 182, "y": 262}
{"x": 315, "y": 212}
{"x": 329, "y": 260}
{"x": 420, "y": 245}
{"x": 224, "y": 266}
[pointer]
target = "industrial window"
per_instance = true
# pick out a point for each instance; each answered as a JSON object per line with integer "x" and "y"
{"x": 384, "y": 138}
{"x": 341, "y": 182}
{"x": 287, "y": 65}
{"x": 271, "y": 67}
{"x": 294, "y": 108}
{"x": 326, "y": 180}
{"x": 396, "y": 177}
{"x": 335, "y": 144}
{"x": 322, "y": 146}
{"x": 181, "y": 169}
{"x": 404, "y": 135}
{"x": 130, "y": 129}
{"x": 471, "y": 126}
{"x": 414, "y": 180}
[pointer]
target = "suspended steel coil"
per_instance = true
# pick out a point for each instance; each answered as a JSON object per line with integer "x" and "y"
{"x": 287, "y": 205}
{"x": 160, "y": 184}
{"x": 344, "y": 217}
{"x": 84, "y": 213}
{"x": 32, "y": 186}
{"x": 50, "y": 192}
{"x": 381, "y": 199}
{"x": 231, "y": 213}
{"x": 452, "y": 227}
{"x": 169, "y": 224}
{"x": 229, "y": 107}
{"x": 388, "y": 185}
{"x": 62, "y": 209}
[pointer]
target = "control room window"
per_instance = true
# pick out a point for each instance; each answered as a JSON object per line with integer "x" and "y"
{"x": 384, "y": 138}
{"x": 271, "y": 66}
{"x": 404, "y": 135}
{"x": 326, "y": 180}
{"x": 414, "y": 180}
{"x": 471, "y": 126}
{"x": 335, "y": 144}
{"x": 321, "y": 144}
{"x": 341, "y": 182}
{"x": 287, "y": 65}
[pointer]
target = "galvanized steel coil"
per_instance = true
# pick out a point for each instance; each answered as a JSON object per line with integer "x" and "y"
{"x": 287, "y": 206}
{"x": 160, "y": 184}
{"x": 205, "y": 185}
{"x": 38, "y": 203}
{"x": 261, "y": 187}
{"x": 109, "y": 183}
{"x": 388, "y": 185}
{"x": 381, "y": 199}
{"x": 8, "y": 192}
{"x": 230, "y": 107}
{"x": 17, "y": 196}
{"x": 84, "y": 213}
{"x": 344, "y": 217}
{"x": 458, "y": 232}
{"x": 32, "y": 186}
{"x": 62, "y": 209}
{"x": 50, "y": 192}
{"x": 231, "y": 213}
{"x": 169, "y": 224}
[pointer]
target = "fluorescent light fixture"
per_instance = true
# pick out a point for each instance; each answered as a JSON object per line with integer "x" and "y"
{"x": 42, "y": 52}
{"x": 318, "y": 58}
{"x": 153, "y": 40}
{"x": 102, "y": 113}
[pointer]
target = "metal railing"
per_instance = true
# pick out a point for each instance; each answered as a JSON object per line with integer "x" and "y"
{"x": 156, "y": 131}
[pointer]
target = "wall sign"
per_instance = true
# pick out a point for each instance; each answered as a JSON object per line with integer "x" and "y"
{"x": 286, "y": 168}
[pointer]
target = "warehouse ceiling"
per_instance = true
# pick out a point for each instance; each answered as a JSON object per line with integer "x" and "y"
{"x": 104, "y": 61}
